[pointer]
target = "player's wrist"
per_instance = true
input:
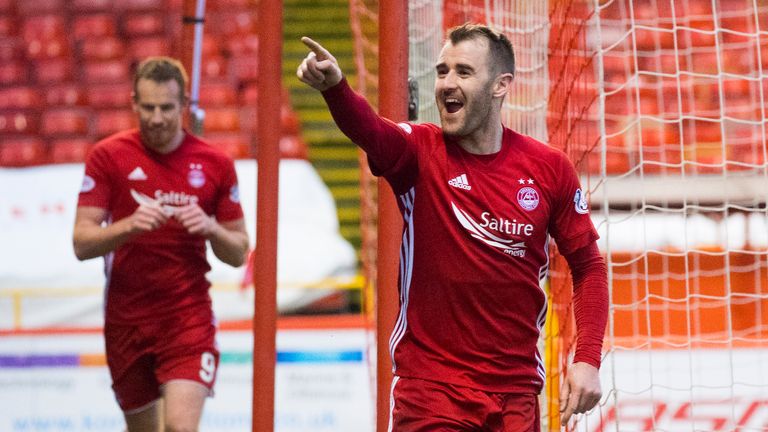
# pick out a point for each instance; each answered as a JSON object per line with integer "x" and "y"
{"x": 214, "y": 229}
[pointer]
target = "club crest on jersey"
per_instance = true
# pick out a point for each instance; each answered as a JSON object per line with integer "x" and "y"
{"x": 196, "y": 176}
{"x": 528, "y": 198}
{"x": 580, "y": 203}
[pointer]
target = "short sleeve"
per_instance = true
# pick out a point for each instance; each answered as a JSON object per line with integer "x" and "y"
{"x": 96, "y": 188}
{"x": 228, "y": 197}
{"x": 570, "y": 224}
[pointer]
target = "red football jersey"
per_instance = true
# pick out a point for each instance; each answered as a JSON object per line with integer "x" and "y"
{"x": 474, "y": 246}
{"x": 162, "y": 272}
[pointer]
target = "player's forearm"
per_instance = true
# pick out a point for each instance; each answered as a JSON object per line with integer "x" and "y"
{"x": 590, "y": 298}
{"x": 356, "y": 118}
{"x": 92, "y": 241}
{"x": 230, "y": 246}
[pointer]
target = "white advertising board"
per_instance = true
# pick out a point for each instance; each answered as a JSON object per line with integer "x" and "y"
{"x": 322, "y": 384}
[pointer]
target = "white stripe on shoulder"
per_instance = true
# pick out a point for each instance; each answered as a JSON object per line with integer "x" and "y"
{"x": 406, "y": 127}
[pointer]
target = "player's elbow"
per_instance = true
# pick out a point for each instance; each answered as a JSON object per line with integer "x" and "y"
{"x": 85, "y": 247}
{"x": 81, "y": 253}
{"x": 234, "y": 260}
{"x": 235, "y": 256}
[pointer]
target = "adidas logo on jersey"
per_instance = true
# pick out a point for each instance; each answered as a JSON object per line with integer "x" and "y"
{"x": 460, "y": 182}
{"x": 137, "y": 174}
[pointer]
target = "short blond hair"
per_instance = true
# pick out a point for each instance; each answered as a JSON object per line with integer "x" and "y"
{"x": 501, "y": 53}
{"x": 161, "y": 69}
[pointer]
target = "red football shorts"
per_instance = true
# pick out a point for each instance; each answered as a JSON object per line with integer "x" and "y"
{"x": 142, "y": 358}
{"x": 426, "y": 406}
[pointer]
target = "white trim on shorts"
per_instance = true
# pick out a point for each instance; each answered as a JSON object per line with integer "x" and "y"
{"x": 142, "y": 408}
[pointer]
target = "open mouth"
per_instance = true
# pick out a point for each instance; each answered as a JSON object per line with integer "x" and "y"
{"x": 453, "y": 105}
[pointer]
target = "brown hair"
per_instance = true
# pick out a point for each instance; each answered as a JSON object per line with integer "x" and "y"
{"x": 161, "y": 69}
{"x": 501, "y": 53}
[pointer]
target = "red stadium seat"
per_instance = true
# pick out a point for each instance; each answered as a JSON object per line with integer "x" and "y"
{"x": 250, "y": 94}
{"x": 144, "y": 24}
{"x": 8, "y": 26}
{"x": 93, "y": 26}
{"x": 55, "y": 70}
{"x": 43, "y": 27}
{"x": 13, "y": 72}
{"x": 293, "y": 147}
{"x": 248, "y": 119}
{"x": 110, "y": 71}
{"x": 11, "y": 48}
{"x": 7, "y": 6}
{"x": 48, "y": 48}
{"x": 86, "y": 6}
{"x": 65, "y": 94}
{"x": 616, "y": 163}
{"x": 140, "y": 48}
{"x": 222, "y": 120}
{"x": 211, "y": 45}
{"x": 22, "y": 151}
{"x": 19, "y": 97}
{"x": 214, "y": 66}
{"x": 18, "y": 122}
{"x": 762, "y": 21}
{"x": 109, "y": 122}
{"x": 235, "y": 145}
{"x": 230, "y": 23}
{"x": 32, "y": 7}
{"x": 228, "y": 5}
{"x": 739, "y": 23}
{"x": 64, "y": 121}
{"x": 289, "y": 121}
{"x": 245, "y": 68}
{"x": 116, "y": 95}
{"x": 69, "y": 150}
{"x": 137, "y": 5}
{"x": 217, "y": 94}
{"x": 103, "y": 48}
{"x": 243, "y": 45}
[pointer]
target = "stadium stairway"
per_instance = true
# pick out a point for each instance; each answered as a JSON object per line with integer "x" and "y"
{"x": 332, "y": 154}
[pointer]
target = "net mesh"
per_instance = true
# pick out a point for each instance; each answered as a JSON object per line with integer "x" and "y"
{"x": 660, "y": 104}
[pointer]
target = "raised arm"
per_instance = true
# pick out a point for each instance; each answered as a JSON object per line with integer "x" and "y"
{"x": 383, "y": 141}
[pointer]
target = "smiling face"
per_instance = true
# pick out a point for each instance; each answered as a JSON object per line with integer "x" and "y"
{"x": 159, "y": 108}
{"x": 464, "y": 89}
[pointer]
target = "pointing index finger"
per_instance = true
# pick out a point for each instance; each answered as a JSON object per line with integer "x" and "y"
{"x": 320, "y": 52}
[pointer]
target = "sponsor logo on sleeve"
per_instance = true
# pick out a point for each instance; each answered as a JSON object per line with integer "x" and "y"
{"x": 406, "y": 127}
{"x": 580, "y": 203}
{"x": 88, "y": 184}
{"x": 234, "y": 194}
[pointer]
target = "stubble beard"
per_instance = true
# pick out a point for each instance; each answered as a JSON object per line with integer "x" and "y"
{"x": 157, "y": 138}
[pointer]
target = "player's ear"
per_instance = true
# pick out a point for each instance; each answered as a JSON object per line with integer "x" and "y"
{"x": 134, "y": 102}
{"x": 503, "y": 84}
